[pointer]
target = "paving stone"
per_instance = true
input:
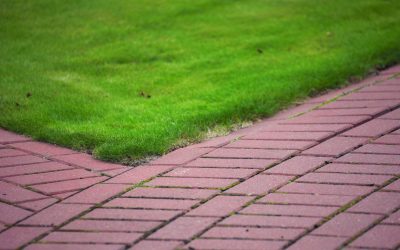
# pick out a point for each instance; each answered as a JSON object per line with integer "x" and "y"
{"x": 15, "y": 237}
{"x": 173, "y": 193}
{"x": 336, "y": 128}
{"x": 111, "y": 226}
{"x": 297, "y": 165}
{"x": 131, "y": 214}
{"x": 9, "y": 137}
{"x": 381, "y": 88}
{"x": 191, "y": 182}
{"x": 250, "y": 153}
{"x": 394, "y": 186}
{"x": 231, "y": 163}
{"x": 362, "y": 104}
{"x": 97, "y": 193}
{"x": 378, "y": 202}
{"x": 64, "y": 195}
{"x": 292, "y": 210}
{"x": 311, "y": 188}
{"x": 181, "y": 156}
{"x": 156, "y": 245}
{"x": 67, "y": 186}
{"x": 211, "y": 172}
{"x": 325, "y": 120}
{"x": 20, "y": 160}
{"x": 38, "y": 204}
{"x": 306, "y": 199}
{"x": 370, "y": 159}
{"x": 139, "y": 174}
{"x": 42, "y": 148}
{"x": 236, "y": 244}
{"x": 270, "y": 221}
{"x": 115, "y": 172}
{"x": 395, "y": 114}
{"x": 92, "y": 237}
{"x": 220, "y": 206}
{"x": 253, "y": 233}
{"x": 9, "y": 152}
{"x": 335, "y": 146}
{"x": 266, "y": 144}
{"x": 347, "y": 112}
{"x": 360, "y": 169}
{"x": 372, "y": 96}
{"x": 151, "y": 203}
{"x": 183, "y": 228}
{"x": 379, "y": 149}
{"x": 86, "y": 161}
{"x": 310, "y": 136}
{"x": 334, "y": 178}
{"x": 33, "y": 168}
{"x": 373, "y": 128}
{"x": 318, "y": 242}
{"x": 259, "y": 184}
{"x": 56, "y": 176}
{"x": 11, "y": 214}
{"x": 55, "y": 215}
{"x": 380, "y": 236}
{"x": 391, "y": 139}
{"x": 60, "y": 246}
{"x": 13, "y": 193}
{"x": 393, "y": 218}
{"x": 346, "y": 224}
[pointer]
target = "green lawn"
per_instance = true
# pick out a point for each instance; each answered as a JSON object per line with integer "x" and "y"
{"x": 131, "y": 79}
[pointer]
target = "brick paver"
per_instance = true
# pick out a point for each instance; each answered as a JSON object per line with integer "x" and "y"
{"x": 325, "y": 179}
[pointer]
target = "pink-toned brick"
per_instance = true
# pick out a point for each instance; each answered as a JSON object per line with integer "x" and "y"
{"x": 346, "y": 224}
{"x": 86, "y": 161}
{"x": 360, "y": 169}
{"x": 392, "y": 115}
{"x": 111, "y": 225}
{"x": 378, "y": 202}
{"x": 64, "y": 195}
{"x": 38, "y": 204}
{"x": 67, "y": 186}
{"x": 311, "y": 188}
{"x": 370, "y": 159}
{"x": 394, "y": 186}
{"x": 266, "y": 144}
{"x": 15, "y": 237}
{"x": 51, "y": 177}
{"x": 306, "y": 199}
{"x": 381, "y": 236}
{"x": 391, "y": 71}
{"x": 373, "y": 128}
{"x": 139, "y": 174}
{"x": 131, "y": 214}
{"x": 347, "y": 112}
{"x": 379, "y": 149}
{"x": 393, "y": 218}
{"x": 97, "y": 193}
{"x": 60, "y": 246}
{"x": 250, "y": 153}
{"x": 270, "y": 221}
{"x": 259, "y": 184}
{"x": 181, "y": 156}
{"x": 9, "y": 137}
{"x": 13, "y": 193}
{"x": 220, "y": 206}
{"x": 183, "y": 228}
{"x": 297, "y": 165}
{"x": 156, "y": 245}
{"x": 9, "y": 152}
{"x": 381, "y": 88}
{"x": 151, "y": 203}
{"x": 335, "y": 146}
{"x": 33, "y": 168}
{"x": 173, "y": 193}
{"x": 11, "y": 214}
{"x": 291, "y": 210}
{"x": 115, "y": 172}
{"x": 372, "y": 96}
{"x": 318, "y": 242}
{"x": 191, "y": 182}
{"x": 310, "y": 136}
{"x": 253, "y": 233}
{"x": 391, "y": 139}
{"x": 309, "y": 128}
{"x": 334, "y": 178}
{"x": 20, "y": 160}
{"x": 42, "y": 148}
{"x": 231, "y": 163}
{"x": 361, "y": 104}
{"x": 236, "y": 244}
{"x": 327, "y": 120}
{"x": 55, "y": 215}
{"x": 211, "y": 172}
{"x": 92, "y": 237}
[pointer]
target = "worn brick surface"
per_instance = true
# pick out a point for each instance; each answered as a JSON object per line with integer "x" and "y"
{"x": 379, "y": 149}
{"x": 97, "y": 193}
{"x": 10, "y": 214}
{"x": 327, "y": 120}
{"x": 370, "y": 159}
{"x": 92, "y": 237}
{"x": 8, "y": 152}
{"x": 230, "y": 163}
{"x": 33, "y": 168}
{"x": 13, "y": 193}
{"x": 71, "y": 246}
{"x": 393, "y": 218}
{"x": 379, "y": 202}
{"x": 318, "y": 242}
{"x": 250, "y": 153}
{"x": 357, "y": 179}
{"x": 9, "y": 137}
{"x": 220, "y": 206}
{"x": 139, "y": 174}
{"x": 38, "y": 204}
{"x": 308, "y": 128}
{"x": 253, "y": 233}
{"x": 191, "y": 182}
{"x": 20, "y": 160}
{"x": 311, "y": 188}
{"x": 335, "y": 146}
{"x": 347, "y": 112}
{"x": 362, "y": 104}
{"x": 395, "y": 186}
{"x": 360, "y": 168}
{"x": 131, "y": 214}
{"x": 67, "y": 186}
{"x": 86, "y": 161}
{"x": 309, "y": 136}
{"x": 297, "y": 165}
{"x": 259, "y": 184}
{"x": 151, "y": 203}
{"x": 270, "y": 221}
{"x": 306, "y": 199}
{"x": 16, "y": 237}
{"x": 381, "y": 236}
{"x": 173, "y": 193}
{"x": 293, "y": 210}
{"x": 182, "y": 156}
{"x": 267, "y": 144}
{"x": 42, "y": 148}
{"x": 373, "y": 128}
{"x": 389, "y": 139}
{"x": 211, "y": 172}
{"x": 156, "y": 245}
{"x": 236, "y": 244}
{"x": 110, "y": 225}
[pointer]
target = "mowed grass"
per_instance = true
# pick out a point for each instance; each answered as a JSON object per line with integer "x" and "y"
{"x": 131, "y": 79}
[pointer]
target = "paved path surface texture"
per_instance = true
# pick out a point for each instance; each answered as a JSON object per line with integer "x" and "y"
{"x": 325, "y": 179}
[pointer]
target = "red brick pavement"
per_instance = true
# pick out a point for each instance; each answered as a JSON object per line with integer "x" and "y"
{"x": 307, "y": 178}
